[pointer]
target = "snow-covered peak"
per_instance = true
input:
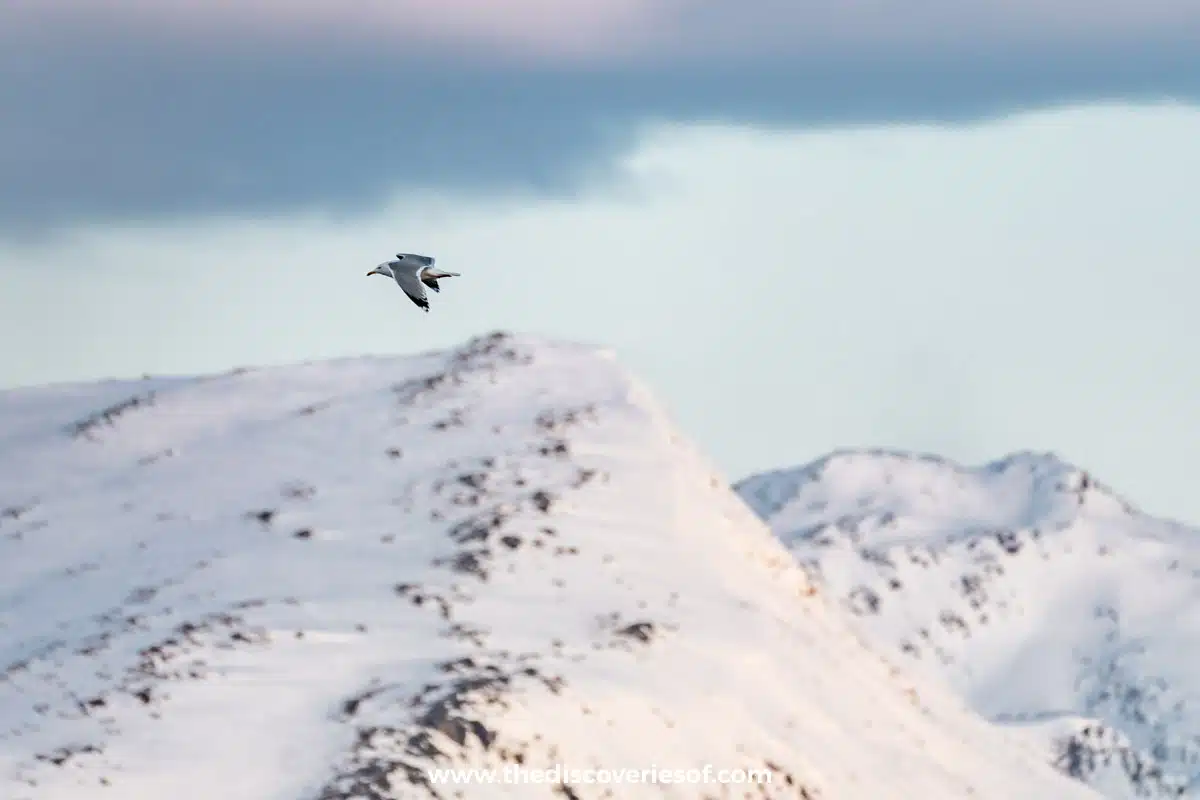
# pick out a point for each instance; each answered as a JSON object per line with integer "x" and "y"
{"x": 1022, "y": 490}
{"x": 317, "y": 582}
{"x": 1043, "y": 597}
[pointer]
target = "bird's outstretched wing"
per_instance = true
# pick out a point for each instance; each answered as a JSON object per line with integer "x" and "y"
{"x": 430, "y": 282}
{"x": 412, "y": 287}
{"x": 413, "y": 258}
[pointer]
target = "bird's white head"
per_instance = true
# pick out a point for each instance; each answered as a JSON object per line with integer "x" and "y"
{"x": 383, "y": 269}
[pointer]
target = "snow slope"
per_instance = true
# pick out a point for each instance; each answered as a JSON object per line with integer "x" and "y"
{"x": 1046, "y": 601}
{"x": 316, "y": 582}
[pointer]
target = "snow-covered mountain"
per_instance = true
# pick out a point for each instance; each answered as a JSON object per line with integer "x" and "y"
{"x": 317, "y": 582}
{"x": 1049, "y": 603}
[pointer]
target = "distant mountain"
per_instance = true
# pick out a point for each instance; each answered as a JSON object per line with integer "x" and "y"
{"x": 1050, "y": 604}
{"x": 319, "y": 582}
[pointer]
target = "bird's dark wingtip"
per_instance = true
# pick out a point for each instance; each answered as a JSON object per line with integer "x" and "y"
{"x": 418, "y": 302}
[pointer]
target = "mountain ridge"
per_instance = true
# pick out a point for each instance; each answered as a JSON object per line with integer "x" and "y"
{"x": 1042, "y": 596}
{"x": 317, "y": 582}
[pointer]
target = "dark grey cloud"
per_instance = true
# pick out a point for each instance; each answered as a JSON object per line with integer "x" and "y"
{"x": 110, "y": 127}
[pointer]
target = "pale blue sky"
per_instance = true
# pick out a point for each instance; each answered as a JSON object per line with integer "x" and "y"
{"x": 1027, "y": 282}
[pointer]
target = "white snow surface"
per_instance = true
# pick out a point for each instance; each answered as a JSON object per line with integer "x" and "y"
{"x": 1047, "y": 602}
{"x": 313, "y": 582}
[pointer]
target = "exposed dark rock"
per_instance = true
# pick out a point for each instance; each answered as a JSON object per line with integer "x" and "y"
{"x": 642, "y": 631}
{"x": 542, "y": 500}
{"x": 108, "y": 416}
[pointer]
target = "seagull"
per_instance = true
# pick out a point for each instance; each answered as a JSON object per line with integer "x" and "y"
{"x": 413, "y": 273}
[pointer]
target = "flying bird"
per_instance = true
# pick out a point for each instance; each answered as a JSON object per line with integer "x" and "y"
{"x": 413, "y": 273}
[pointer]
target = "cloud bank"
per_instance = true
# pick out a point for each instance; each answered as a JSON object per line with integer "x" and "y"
{"x": 617, "y": 31}
{"x": 139, "y": 109}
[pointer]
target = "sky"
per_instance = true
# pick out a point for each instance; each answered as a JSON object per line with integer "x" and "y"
{"x": 954, "y": 228}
